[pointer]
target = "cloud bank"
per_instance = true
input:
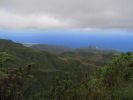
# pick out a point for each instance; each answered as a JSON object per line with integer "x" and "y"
{"x": 67, "y": 14}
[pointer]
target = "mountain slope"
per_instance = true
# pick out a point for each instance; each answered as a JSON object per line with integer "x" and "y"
{"x": 24, "y": 55}
{"x": 47, "y": 68}
{"x": 50, "y": 48}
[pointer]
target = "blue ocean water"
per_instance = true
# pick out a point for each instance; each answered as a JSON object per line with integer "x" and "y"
{"x": 118, "y": 40}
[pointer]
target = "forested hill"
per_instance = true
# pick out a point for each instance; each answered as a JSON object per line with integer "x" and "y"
{"x": 58, "y": 49}
{"x": 46, "y": 67}
{"x": 24, "y": 55}
{"x": 83, "y": 74}
{"x": 50, "y": 48}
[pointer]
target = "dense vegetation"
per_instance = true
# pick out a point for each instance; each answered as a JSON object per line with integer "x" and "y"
{"x": 27, "y": 74}
{"x": 114, "y": 81}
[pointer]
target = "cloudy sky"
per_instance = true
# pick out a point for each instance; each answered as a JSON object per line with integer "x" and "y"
{"x": 75, "y": 23}
{"x": 67, "y": 14}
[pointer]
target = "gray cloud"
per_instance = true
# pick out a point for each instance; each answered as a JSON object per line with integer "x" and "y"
{"x": 91, "y": 14}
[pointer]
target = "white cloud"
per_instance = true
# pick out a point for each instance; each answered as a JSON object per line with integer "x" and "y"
{"x": 79, "y": 14}
{"x": 12, "y": 20}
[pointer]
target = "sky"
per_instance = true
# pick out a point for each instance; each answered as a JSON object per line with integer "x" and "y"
{"x": 75, "y": 14}
{"x": 77, "y": 22}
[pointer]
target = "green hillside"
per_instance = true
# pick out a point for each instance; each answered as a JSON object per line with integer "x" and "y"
{"x": 50, "y": 48}
{"x": 46, "y": 67}
{"x": 82, "y": 74}
{"x": 24, "y": 55}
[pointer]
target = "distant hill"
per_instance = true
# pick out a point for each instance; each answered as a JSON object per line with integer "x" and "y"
{"x": 89, "y": 56}
{"x": 56, "y": 49}
{"x": 95, "y": 49}
{"x": 50, "y": 48}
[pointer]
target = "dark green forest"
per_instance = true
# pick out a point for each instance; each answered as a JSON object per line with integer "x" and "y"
{"x": 82, "y": 74}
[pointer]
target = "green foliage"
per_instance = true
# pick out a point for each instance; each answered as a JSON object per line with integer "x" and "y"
{"x": 111, "y": 82}
{"x": 80, "y": 76}
{"x": 4, "y": 57}
{"x": 15, "y": 84}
